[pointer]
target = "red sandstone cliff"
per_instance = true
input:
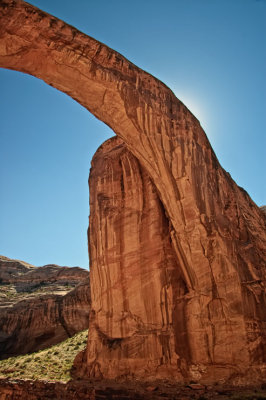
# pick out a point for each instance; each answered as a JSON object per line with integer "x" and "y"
{"x": 40, "y": 306}
{"x": 145, "y": 321}
{"x": 137, "y": 287}
{"x": 217, "y": 233}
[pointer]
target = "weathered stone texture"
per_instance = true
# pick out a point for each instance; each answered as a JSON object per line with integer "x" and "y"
{"x": 145, "y": 321}
{"x": 40, "y": 306}
{"x": 136, "y": 281}
{"x": 128, "y": 390}
{"x": 217, "y": 233}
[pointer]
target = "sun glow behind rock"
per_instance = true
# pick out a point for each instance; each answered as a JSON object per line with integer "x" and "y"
{"x": 195, "y": 106}
{"x": 203, "y": 111}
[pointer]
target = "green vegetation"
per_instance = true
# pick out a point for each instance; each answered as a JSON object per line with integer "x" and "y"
{"x": 52, "y": 364}
{"x": 10, "y": 295}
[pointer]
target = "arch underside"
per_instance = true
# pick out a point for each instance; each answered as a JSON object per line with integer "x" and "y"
{"x": 217, "y": 233}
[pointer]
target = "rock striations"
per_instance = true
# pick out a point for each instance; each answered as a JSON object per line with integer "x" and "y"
{"x": 40, "y": 306}
{"x": 210, "y": 283}
{"x": 138, "y": 292}
{"x": 145, "y": 321}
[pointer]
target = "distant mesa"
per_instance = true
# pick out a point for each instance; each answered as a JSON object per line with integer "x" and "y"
{"x": 40, "y": 306}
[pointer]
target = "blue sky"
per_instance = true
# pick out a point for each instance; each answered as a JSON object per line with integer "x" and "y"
{"x": 211, "y": 53}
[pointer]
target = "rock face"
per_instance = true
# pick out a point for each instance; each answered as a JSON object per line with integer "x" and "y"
{"x": 144, "y": 319}
{"x": 137, "y": 287}
{"x": 40, "y": 306}
{"x": 263, "y": 208}
{"x": 217, "y": 233}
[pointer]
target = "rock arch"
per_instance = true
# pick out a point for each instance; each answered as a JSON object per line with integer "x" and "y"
{"x": 217, "y": 232}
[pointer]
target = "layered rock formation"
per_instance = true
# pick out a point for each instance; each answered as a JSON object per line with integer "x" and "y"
{"x": 26, "y": 276}
{"x": 217, "y": 233}
{"x": 40, "y": 306}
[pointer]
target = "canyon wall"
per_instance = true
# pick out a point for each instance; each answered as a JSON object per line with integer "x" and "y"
{"x": 137, "y": 322}
{"x": 145, "y": 321}
{"x": 217, "y": 233}
{"x": 40, "y": 306}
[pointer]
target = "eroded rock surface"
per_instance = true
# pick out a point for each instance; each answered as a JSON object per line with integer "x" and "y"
{"x": 40, "y": 306}
{"x": 128, "y": 390}
{"x": 137, "y": 288}
{"x": 263, "y": 208}
{"x": 217, "y": 233}
{"x": 145, "y": 321}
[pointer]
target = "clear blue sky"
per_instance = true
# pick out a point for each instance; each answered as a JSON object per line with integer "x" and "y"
{"x": 211, "y": 53}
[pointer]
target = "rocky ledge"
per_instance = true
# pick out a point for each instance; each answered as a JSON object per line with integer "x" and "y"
{"x": 40, "y": 306}
{"x": 106, "y": 390}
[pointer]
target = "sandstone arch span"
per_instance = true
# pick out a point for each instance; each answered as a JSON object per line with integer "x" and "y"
{"x": 109, "y": 86}
{"x": 216, "y": 231}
